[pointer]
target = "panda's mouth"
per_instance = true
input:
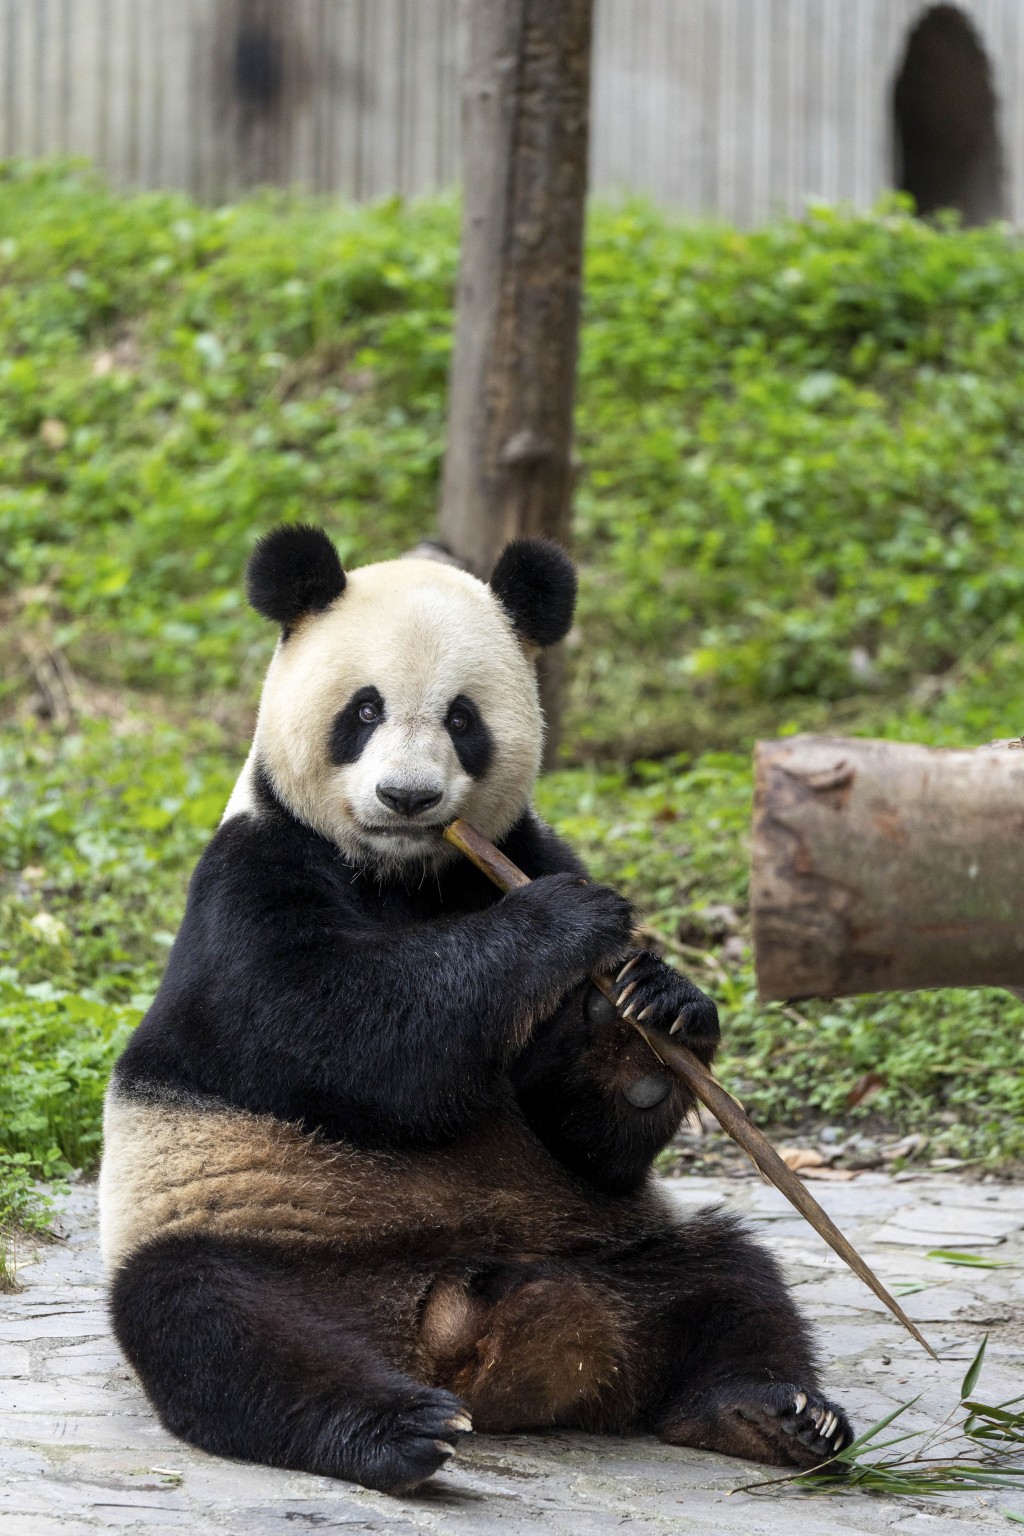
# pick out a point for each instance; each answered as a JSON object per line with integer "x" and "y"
{"x": 412, "y": 829}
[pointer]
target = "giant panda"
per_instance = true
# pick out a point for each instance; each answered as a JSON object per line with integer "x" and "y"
{"x": 377, "y": 1161}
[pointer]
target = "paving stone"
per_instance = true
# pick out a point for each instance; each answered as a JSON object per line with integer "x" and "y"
{"x": 958, "y": 1220}
{"x": 55, "y": 1325}
{"x": 52, "y": 1296}
{"x": 894, "y": 1232}
{"x": 869, "y": 1202}
{"x": 14, "y": 1361}
{"x": 82, "y": 1362}
{"x": 997, "y": 1193}
{"x": 15, "y": 1524}
{"x": 24, "y": 1462}
{"x": 127, "y": 1431}
{"x": 71, "y": 1397}
{"x": 113, "y": 1509}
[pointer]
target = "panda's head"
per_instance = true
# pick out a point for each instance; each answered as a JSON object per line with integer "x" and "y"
{"x": 404, "y": 694}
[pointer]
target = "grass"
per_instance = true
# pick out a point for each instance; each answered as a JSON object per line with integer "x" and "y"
{"x": 799, "y": 504}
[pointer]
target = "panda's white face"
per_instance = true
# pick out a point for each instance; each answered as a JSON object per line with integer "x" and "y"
{"x": 408, "y": 702}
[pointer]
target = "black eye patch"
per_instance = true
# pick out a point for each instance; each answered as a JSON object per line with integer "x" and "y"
{"x": 474, "y": 745}
{"x": 355, "y": 724}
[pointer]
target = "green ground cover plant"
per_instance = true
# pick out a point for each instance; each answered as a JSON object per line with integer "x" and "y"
{"x": 801, "y": 449}
{"x": 799, "y": 504}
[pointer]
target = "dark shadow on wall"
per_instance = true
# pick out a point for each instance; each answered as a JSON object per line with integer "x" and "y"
{"x": 947, "y": 150}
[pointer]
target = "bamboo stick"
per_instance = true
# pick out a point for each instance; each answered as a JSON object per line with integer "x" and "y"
{"x": 692, "y": 1071}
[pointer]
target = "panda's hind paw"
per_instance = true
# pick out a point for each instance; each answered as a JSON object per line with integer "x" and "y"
{"x": 780, "y": 1423}
{"x": 817, "y": 1428}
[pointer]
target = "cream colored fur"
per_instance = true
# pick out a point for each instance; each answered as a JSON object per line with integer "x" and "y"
{"x": 179, "y": 1169}
{"x": 420, "y": 632}
{"x": 243, "y": 796}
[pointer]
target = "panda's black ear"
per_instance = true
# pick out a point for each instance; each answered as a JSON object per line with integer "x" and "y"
{"x": 293, "y": 571}
{"x": 535, "y": 582}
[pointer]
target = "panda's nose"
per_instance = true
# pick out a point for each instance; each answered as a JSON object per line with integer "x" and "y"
{"x": 408, "y": 802}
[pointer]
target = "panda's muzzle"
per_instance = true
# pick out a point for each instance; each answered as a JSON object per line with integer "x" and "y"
{"x": 408, "y": 800}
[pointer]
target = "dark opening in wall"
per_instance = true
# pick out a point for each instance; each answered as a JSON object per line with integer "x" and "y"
{"x": 947, "y": 147}
{"x": 259, "y": 68}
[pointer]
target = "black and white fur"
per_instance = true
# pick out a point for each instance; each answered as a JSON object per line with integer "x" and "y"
{"x": 377, "y": 1161}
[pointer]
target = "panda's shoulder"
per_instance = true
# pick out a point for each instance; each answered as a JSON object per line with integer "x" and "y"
{"x": 254, "y": 857}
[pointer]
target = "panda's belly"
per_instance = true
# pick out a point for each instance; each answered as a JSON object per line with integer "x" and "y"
{"x": 181, "y": 1167}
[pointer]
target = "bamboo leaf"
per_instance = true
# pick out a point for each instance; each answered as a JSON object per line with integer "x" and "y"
{"x": 973, "y": 1371}
{"x": 972, "y": 1260}
{"x": 993, "y": 1414}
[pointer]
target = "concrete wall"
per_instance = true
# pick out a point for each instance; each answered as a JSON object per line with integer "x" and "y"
{"x": 739, "y": 108}
{"x": 734, "y": 108}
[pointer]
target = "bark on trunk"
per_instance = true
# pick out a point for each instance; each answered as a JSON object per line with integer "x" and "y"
{"x": 508, "y": 469}
{"x": 881, "y": 866}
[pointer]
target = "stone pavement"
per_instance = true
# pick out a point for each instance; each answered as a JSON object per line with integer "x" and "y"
{"x": 80, "y": 1451}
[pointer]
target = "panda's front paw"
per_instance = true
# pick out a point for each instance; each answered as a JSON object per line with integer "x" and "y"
{"x": 581, "y": 925}
{"x": 655, "y": 995}
{"x": 402, "y": 1444}
{"x": 818, "y": 1428}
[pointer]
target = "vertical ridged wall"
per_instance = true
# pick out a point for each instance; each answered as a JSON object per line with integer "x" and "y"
{"x": 728, "y": 108}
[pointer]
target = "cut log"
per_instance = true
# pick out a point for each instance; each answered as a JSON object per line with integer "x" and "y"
{"x": 883, "y": 866}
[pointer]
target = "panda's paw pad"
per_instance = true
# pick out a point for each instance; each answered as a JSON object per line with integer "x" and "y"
{"x": 420, "y": 1439}
{"x": 813, "y": 1429}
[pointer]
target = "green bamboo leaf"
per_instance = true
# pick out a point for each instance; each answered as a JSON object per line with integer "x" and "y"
{"x": 973, "y": 1371}
{"x": 996, "y": 1415}
{"x": 973, "y": 1260}
{"x": 1012, "y": 1515}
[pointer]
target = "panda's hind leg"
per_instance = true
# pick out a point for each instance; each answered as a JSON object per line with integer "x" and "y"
{"x": 740, "y": 1375}
{"x": 270, "y": 1357}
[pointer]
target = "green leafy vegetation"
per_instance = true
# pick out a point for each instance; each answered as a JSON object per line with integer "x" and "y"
{"x": 24, "y": 1207}
{"x": 799, "y": 504}
{"x": 801, "y": 449}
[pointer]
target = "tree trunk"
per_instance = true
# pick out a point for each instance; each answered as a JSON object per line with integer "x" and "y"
{"x": 525, "y": 125}
{"x": 881, "y": 866}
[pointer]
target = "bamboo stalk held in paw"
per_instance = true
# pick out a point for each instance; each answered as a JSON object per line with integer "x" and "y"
{"x": 692, "y": 1071}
